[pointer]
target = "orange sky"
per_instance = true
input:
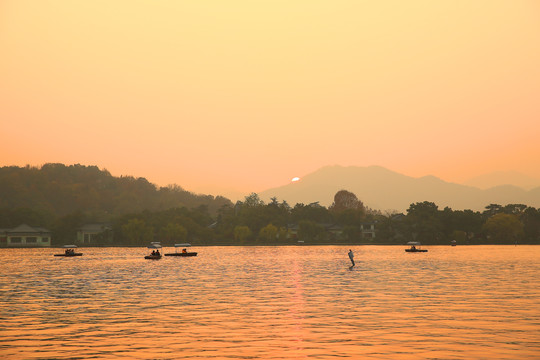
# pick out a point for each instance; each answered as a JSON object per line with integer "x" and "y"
{"x": 220, "y": 95}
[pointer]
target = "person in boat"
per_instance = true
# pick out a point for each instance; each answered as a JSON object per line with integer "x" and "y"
{"x": 157, "y": 253}
{"x": 153, "y": 252}
{"x": 184, "y": 251}
{"x": 351, "y": 256}
{"x": 413, "y": 247}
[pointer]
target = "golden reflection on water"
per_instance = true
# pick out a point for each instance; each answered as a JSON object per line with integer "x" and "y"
{"x": 476, "y": 302}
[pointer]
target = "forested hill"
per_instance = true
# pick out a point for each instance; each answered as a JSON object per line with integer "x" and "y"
{"x": 59, "y": 190}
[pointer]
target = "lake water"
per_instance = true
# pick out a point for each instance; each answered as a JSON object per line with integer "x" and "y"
{"x": 474, "y": 302}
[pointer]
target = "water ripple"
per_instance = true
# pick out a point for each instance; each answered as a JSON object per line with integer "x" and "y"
{"x": 272, "y": 303}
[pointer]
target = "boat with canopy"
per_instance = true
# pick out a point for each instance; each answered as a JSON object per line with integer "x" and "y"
{"x": 69, "y": 251}
{"x": 415, "y": 247}
{"x": 155, "y": 255}
{"x": 184, "y": 251}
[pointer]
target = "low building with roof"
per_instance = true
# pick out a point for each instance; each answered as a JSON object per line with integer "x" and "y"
{"x": 368, "y": 230}
{"x": 92, "y": 233}
{"x": 336, "y": 232}
{"x": 25, "y": 236}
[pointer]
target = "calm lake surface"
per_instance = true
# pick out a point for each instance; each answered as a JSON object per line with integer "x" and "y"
{"x": 474, "y": 302}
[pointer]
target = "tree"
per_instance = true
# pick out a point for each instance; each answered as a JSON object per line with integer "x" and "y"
{"x": 516, "y": 209}
{"x": 283, "y": 234}
{"x": 174, "y": 232}
{"x": 390, "y": 226}
{"x": 312, "y": 212}
{"x": 137, "y": 232}
{"x": 423, "y": 219}
{"x": 65, "y": 228}
{"x": 504, "y": 228}
{"x": 62, "y": 190}
{"x": 468, "y": 221}
{"x": 12, "y": 217}
{"x": 226, "y": 221}
{"x": 423, "y": 210}
{"x": 531, "y": 224}
{"x": 268, "y": 233}
{"x": 493, "y": 209}
{"x": 352, "y": 232}
{"x": 348, "y": 211}
{"x": 253, "y": 200}
{"x": 241, "y": 234}
{"x": 350, "y": 217}
{"x": 310, "y": 231}
{"x": 252, "y": 213}
{"x": 344, "y": 200}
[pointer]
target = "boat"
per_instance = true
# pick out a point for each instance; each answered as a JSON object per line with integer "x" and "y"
{"x": 453, "y": 242}
{"x": 155, "y": 255}
{"x": 70, "y": 251}
{"x": 184, "y": 251}
{"x": 415, "y": 247}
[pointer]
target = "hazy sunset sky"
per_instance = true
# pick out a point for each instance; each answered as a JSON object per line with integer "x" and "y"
{"x": 245, "y": 95}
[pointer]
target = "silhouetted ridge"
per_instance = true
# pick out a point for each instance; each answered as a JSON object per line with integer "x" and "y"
{"x": 61, "y": 189}
{"x": 383, "y": 189}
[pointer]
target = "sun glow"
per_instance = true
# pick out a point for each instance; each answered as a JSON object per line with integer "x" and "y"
{"x": 295, "y": 179}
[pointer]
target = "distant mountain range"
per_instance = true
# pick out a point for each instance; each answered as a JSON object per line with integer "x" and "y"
{"x": 499, "y": 178}
{"x": 382, "y": 189}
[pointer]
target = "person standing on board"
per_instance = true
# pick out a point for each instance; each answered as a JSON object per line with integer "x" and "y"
{"x": 351, "y": 256}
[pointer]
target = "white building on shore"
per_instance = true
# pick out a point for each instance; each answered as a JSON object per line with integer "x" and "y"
{"x": 25, "y": 236}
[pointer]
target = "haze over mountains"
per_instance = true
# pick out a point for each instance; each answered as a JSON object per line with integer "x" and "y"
{"x": 499, "y": 178}
{"x": 383, "y": 189}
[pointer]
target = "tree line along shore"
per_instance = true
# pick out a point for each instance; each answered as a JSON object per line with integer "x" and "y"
{"x": 133, "y": 212}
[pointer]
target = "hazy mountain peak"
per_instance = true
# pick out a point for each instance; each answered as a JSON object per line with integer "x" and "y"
{"x": 430, "y": 178}
{"x": 499, "y": 178}
{"x": 383, "y": 189}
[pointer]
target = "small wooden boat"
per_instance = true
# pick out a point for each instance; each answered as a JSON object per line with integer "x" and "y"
{"x": 155, "y": 255}
{"x": 70, "y": 251}
{"x": 415, "y": 247}
{"x": 184, "y": 251}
